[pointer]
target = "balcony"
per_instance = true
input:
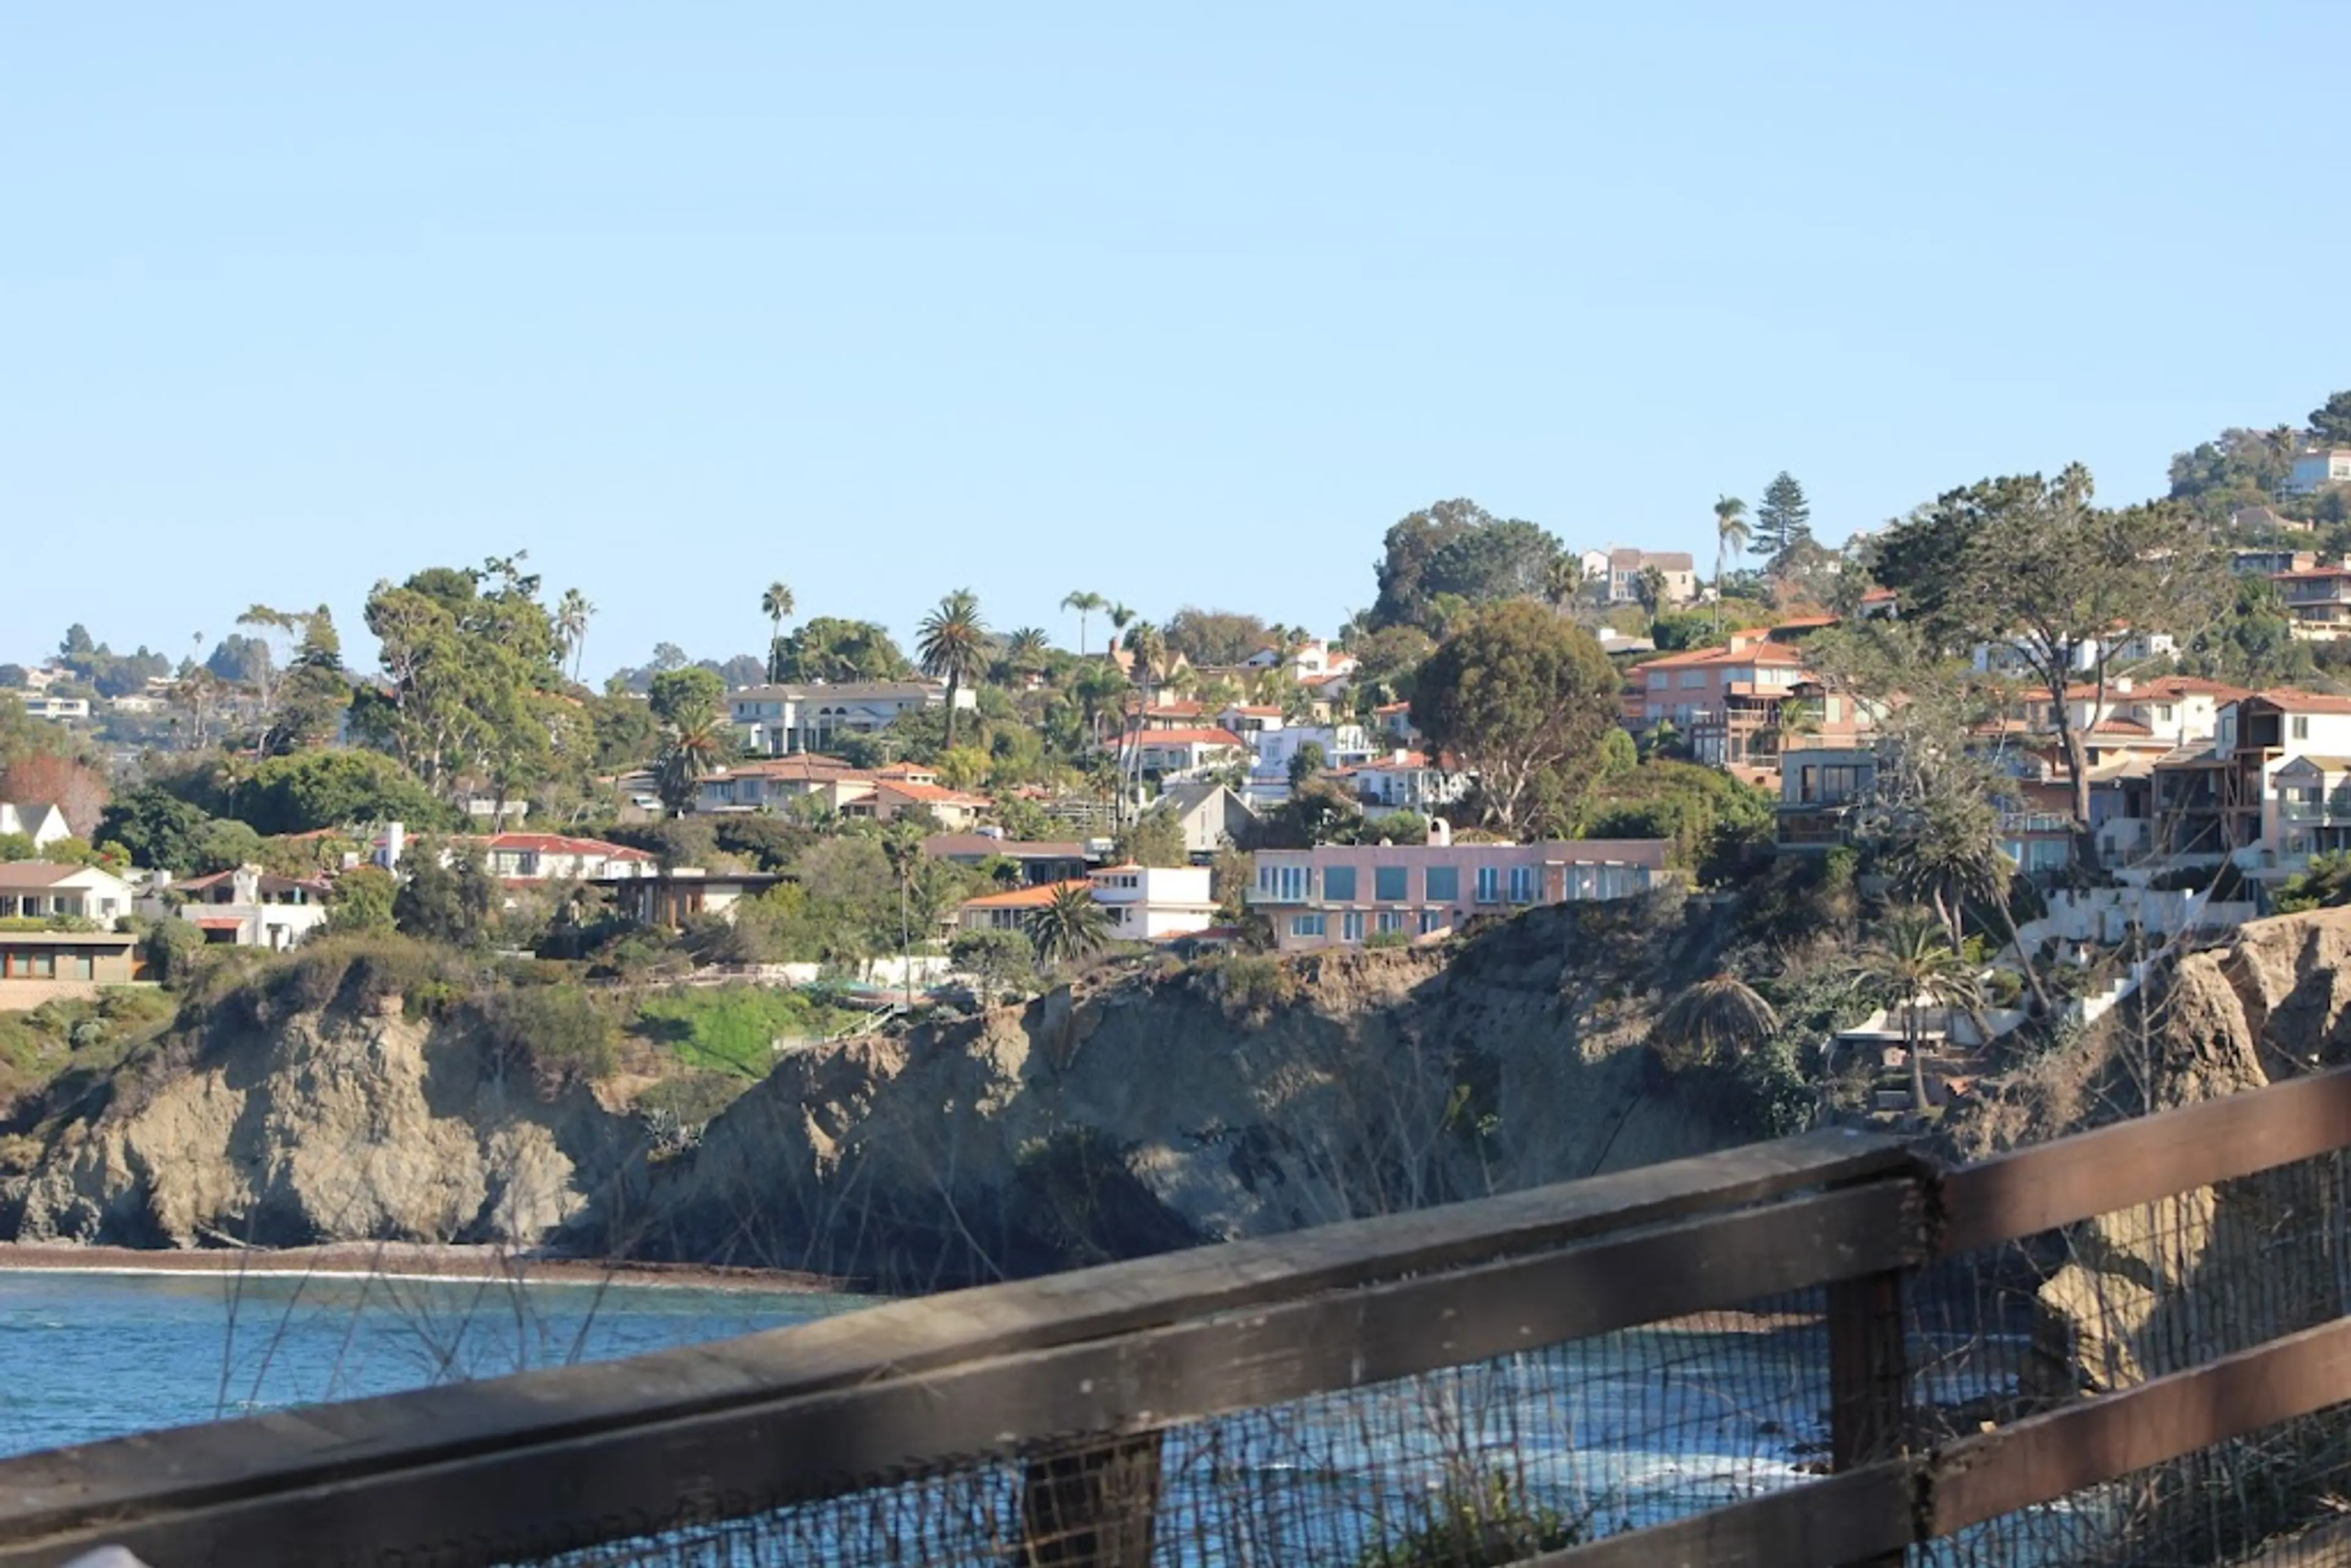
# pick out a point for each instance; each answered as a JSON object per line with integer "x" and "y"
{"x": 2035, "y": 823}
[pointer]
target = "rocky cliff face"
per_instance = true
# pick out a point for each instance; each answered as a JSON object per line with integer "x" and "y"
{"x": 324, "y": 1125}
{"x": 1234, "y": 1100}
{"x": 2137, "y": 1294}
{"x": 1249, "y": 1096}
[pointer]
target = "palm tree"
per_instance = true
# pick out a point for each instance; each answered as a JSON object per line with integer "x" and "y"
{"x": 1719, "y": 1016}
{"x": 1148, "y": 647}
{"x": 572, "y": 613}
{"x": 1085, "y": 602}
{"x": 1913, "y": 966}
{"x": 953, "y": 646}
{"x": 1650, "y": 588}
{"x": 1949, "y": 856}
{"x": 691, "y": 749}
{"x": 1072, "y": 927}
{"x": 1025, "y": 650}
{"x": 1119, "y": 615}
{"x": 902, "y": 846}
{"x": 1730, "y": 536}
{"x": 776, "y": 604}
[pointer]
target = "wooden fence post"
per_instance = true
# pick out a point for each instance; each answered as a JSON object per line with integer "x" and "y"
{"x": 1093, "y": 1505}
{"x": 1870, "y": 1378}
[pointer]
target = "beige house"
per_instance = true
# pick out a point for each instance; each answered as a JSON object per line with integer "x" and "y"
{"x": 36, "y": 890}
{"x": 1339, "y": 894}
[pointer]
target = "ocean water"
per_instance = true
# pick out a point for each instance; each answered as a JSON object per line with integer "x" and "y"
{"x": 91, "y": 1355}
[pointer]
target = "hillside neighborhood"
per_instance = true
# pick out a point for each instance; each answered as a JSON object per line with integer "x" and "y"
{"x": 2061, "y": 725}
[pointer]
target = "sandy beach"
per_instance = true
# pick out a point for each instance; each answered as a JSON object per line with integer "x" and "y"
{"x": 409, "y": 1260}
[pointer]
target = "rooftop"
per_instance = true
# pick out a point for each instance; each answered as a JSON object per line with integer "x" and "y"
{"x": 1036, "y": 897}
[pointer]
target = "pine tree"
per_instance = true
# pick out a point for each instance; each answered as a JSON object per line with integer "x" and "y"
{"x": 1784, "y": 520}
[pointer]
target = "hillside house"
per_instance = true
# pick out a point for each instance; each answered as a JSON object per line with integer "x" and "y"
{"x": 1168, "y": 754}
{"x": 1339, "y": 894}
{"x": 246, "y": 907}
{"x": 552, "y": 857}
{"x": 1140, "y": 904}
{"x": 2269, "y": 791}
{"x": 1041, "y": 863}
{"x": 1210, "y": 815}
{"x": 2318, "y": 601}
{"x": 38, "y": 890}
{"x": 2315, "y": 470}
{"x": 786, "y": 720}
{"x": 1616, "y": 573}
{"x": 39, "y": 966}
{"x": 45, "y": 825}
{"x": 1406, "y": 780}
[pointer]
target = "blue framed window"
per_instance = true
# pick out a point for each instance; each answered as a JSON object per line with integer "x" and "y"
{"x": 1443, "y": 883}
{"x": 1391, "y": 884}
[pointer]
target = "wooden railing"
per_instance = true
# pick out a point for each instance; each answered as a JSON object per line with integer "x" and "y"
{"x": 1103, "y": 1360}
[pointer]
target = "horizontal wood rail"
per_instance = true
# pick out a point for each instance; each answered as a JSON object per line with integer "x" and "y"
{"x": 572, "y": 1457}
{"x": 323, "y": 1462}
{"x": 2131, "y": 1163}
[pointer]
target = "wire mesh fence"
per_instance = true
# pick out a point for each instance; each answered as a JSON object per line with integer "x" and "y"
{"x": 2105, "y": 1305}
{"x": 1469, "y": 1466}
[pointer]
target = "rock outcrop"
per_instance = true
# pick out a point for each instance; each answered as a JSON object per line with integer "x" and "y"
{"x": 2137, "y": 1294}
{"x": 1237, "y": 1099}
{"x": 321, "y": 1126}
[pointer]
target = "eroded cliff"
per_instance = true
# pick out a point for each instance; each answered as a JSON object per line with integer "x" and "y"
{"x": 1235, "y": 1099}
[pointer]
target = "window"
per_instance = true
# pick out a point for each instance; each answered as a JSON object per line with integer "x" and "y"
{"x": 1431, "y": 919}
{"x": 2301, "y": 727}
{"x": 1339, "y": 885}
{"x": 1661, "y": 680}
{"x": 1282, "y": 883}
{"x": 1522, "y": 884}
{"x": 1391, "y": 920}
{"x": 2163, "y": 713}
{"x": 1489, "y": 885}
{"x": 85, "y": 966}
{"x": 1351, "y": 925}
{"x": 1388, "y": 884}
{"x": 1442, "y": 884}
{"x": 1306, "y": 925}
{"x": 1693, "y": 680}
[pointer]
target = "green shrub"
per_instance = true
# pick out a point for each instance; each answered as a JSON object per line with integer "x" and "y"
{"x": 558, "y": 1033}
{"x": 1477, "y": 1526}
{"x": 1387, "y": 940}
{"x": 1252, "y": 984}
{"x": 733, "y": 1029}
{"x": 676, "y": 1108}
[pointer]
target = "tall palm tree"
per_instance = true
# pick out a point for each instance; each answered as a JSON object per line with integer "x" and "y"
{"x": 1912, "y": 965}
{"x": 776, "y": 604}
{"x": 1719, "y": 1016}
{"x": 1148, "y": 647}
{"x": 1070, "y": 928}
{"x": 572, "y": 615}
{"x": 1085, "y": 602}
{"x": 1730, "y": 536}
{"x": 953, "y": 646}
{"x": 1120, "y": 616}
{"x": 902, "y": 846}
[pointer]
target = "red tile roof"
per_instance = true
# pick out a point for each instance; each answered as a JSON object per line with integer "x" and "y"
{"x": 1036, "y": 897}
{"x": 2295, "y": 701}
{"x": 561, "y": 845}
{"x": 1184, "y": 737}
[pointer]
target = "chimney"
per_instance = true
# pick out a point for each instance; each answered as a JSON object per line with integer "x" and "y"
{"x": 1440, "y": 833}
{"x": 388, "y": 847}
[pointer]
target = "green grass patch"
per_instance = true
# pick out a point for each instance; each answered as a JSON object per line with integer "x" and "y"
{"x": 733, "y": 1029}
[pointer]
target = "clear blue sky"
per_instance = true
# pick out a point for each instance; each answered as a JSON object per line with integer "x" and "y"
{"x": 1180, "y": 308}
